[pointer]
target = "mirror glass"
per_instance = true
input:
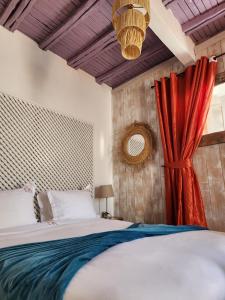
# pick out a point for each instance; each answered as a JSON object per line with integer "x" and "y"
{"x": 136, "y": 144}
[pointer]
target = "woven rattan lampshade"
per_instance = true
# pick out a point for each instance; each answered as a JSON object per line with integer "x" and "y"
{"x": 104, "y": 191}
{"x": 130, "y": 20}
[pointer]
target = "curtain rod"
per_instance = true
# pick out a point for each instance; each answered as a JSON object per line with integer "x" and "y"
{"x": 213, "y": 57}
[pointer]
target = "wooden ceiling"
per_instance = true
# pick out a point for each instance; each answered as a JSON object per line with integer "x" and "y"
{"x": 200, "y": 19}
{"x": 81, "y": 33}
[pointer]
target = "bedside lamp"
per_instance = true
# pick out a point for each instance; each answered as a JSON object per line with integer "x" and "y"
{"x": 104, "y": 191}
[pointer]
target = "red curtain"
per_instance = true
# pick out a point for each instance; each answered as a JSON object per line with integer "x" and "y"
{"x": 183, "y": 102}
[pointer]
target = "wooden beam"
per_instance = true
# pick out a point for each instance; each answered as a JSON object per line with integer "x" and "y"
{"x": 204, "y": 19}
{"x": 15, "y": 13}
{"x": 220, "y": 78}
{"x": 102, "y": 44}
{"x": 8, "y": 11}
{"x": 70, "y": 23}
{"x": 125, "y": 66}
{"x": 169, "y": 30}
{"x": 167, "y": 2}
{"x": 22, "y": 10}
{"x": 213, "y": 139}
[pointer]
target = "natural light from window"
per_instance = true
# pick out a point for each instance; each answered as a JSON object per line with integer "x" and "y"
{"x": 216, "y": 117}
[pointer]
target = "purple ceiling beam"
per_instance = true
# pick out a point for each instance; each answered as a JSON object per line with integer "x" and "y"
{"x": 15, "y": 13}
{"x": 102, "y": 44}
{"x": 204, "y": 19}
{"x": 168, "y": 2}
{"x": 70, "y": 23}
{"x": 8, "y": 11}
{"x": 127, "y": 65}
{"x": 22, "y": 10}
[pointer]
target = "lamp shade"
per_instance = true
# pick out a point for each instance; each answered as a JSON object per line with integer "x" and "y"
{"x": 130, "y": 20}
{"x": 104, "y": 191}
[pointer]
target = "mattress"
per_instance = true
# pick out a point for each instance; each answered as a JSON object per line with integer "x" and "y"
{"x": 182, "y": 266}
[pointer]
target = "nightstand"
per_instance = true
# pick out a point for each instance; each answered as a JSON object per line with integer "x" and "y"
{"x": 112, "y": 218}
{"x": 117, "y": 218}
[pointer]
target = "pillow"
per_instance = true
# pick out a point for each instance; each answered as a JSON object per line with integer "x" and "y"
{"x": 71, "y": 205}
{"x": 45, "y": 207}
{"x": 17, "y": 207}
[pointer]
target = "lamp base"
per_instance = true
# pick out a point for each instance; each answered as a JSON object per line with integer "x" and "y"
{"x": 106, "y": 215}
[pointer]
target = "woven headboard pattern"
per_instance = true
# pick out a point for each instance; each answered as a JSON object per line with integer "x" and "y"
{"x": 36, "y": 144}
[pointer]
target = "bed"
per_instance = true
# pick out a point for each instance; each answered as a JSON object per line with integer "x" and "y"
{"x": 182, "y": 266}
{"x": 189, "y": 265}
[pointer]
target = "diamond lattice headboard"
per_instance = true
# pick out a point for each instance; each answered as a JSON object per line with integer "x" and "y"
{"x": 37, "y": 144}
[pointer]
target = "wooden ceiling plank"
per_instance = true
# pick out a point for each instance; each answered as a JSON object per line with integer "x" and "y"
{"x": 123, "y": 67}
{"x": 207, "y": 4}
{"x": 106, "y": 49}
{"x": 69, "y": 24}
{"x": 178, "y": 12}
{"x": 204, "y": 19}
{"x": 148, "y": 64}
{"x": 103, "y": 43}
{"x": 8, "y": 11}
{"x": 213, "y": 2}
{"x": 193, "y": 7}
{"x": 22, "y": 10}
{"x": 201, "y": 7}
{"x": 186, "y": 9}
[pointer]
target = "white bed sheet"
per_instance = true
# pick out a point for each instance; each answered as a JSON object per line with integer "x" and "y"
{"x": 182, "y": 266}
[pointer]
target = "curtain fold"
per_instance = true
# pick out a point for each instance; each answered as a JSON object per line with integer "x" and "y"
{"x": 183, "y": 103}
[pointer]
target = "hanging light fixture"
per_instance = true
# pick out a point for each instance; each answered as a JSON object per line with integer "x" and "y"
{"x": 130, "y": 20}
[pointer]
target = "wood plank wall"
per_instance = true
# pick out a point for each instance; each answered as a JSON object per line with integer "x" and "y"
{"x": 209, "y": 165}
{"x": 139, "y": 193}
{"x": 210, "y": 161}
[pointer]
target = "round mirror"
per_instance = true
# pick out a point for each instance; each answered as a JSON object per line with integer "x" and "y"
{"x": 136, "y": 144}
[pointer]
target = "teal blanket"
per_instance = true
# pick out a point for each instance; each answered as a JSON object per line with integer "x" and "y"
{"x": 42, "y": 271}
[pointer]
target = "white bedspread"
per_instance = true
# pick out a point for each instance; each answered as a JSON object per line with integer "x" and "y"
{"x": 184, "y": 266}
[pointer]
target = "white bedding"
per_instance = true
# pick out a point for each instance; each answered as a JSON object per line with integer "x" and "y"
{"x": 184, "y": 266}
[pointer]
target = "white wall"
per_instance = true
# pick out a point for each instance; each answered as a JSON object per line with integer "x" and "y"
{"x": 44, "y": 78}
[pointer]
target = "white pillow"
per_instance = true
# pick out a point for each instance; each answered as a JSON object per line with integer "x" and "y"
{"x": 71, "y": 205}
{"x": 17, "y": 207}
{"x": 45, "y": 206}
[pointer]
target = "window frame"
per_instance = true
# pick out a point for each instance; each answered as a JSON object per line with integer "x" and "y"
{"x": 214, "y": 138}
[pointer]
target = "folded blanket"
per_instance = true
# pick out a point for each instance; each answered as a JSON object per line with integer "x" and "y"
{"x": 42, "y": 271}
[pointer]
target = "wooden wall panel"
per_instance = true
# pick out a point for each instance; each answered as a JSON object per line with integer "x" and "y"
{"x": 210, "y": 160}
{"x": 140, "y": 193}
{"x": 210, "y": 168}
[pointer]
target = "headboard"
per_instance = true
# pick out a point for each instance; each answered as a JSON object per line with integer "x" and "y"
{"x": 37, "y": 144}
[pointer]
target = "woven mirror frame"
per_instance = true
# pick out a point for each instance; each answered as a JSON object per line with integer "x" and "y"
{"x": 144, "y": 130}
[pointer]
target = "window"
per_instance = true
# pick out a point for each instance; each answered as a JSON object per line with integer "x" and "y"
{"x": 216, "y": 117}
